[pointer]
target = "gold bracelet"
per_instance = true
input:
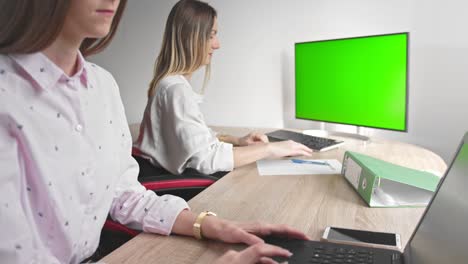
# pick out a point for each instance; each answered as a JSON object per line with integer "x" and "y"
{"x": 197, "y": 232}
{"x": 222, "y": 137}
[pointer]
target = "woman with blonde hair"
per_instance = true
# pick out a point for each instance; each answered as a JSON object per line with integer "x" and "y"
{"x": 173, "y": 133}
{"x": 65, "y": 146}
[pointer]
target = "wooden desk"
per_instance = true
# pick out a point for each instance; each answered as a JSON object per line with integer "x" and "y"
{"x": 309, "y": 203}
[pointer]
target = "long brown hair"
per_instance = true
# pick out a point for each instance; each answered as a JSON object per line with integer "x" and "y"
{"x": 29, "y": 26}
{"x": 185, "y": 41}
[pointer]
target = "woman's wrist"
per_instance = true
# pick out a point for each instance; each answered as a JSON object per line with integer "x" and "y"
{"x": 229, "y": 139}
{"x": 211, "y": 227}
{"x": 236, "y": 141}
{"x": 269, "y": 150}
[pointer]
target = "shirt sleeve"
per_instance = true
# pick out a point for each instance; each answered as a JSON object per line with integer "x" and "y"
{"x": 19, "y": 240}
{"x": 189, "y": 141}
{"x": 142, "y": 209}
{"x": 135, "y": 206}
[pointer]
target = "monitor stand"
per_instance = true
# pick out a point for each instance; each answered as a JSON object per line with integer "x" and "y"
{"x": 324, "y": 133}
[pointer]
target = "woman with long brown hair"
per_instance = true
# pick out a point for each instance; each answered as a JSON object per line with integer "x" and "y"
{"x": 173, "y": 133}
{"x": 65, "y": 146}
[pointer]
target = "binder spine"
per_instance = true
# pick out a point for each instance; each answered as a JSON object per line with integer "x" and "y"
{"x": 359, "y": 177}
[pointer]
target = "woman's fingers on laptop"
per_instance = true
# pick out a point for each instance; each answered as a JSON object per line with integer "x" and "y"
{"x": 285, "y": 230}
{"x": 267, "y": 260}
{"x": 260, "y": 252}
{"x": 263, "y": 229}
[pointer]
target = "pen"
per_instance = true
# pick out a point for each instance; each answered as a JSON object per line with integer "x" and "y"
{"x": 309, "y": 162}
{"x": 299, "y": 161}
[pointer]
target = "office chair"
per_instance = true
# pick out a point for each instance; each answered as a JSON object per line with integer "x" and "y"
{"x": 162, "y": 182}
{"x": 186, "y": 185}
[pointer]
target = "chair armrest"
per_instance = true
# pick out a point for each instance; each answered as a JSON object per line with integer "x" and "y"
{"x": 114, "y": 226}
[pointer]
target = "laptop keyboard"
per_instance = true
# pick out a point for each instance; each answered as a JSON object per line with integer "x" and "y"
{"x": 313, "y": 142}
{"x": 326, "y": 255}
{"x": 318, "y": 252}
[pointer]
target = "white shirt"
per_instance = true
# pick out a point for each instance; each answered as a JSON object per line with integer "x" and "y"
{"x": 65, "y": 163}
{"x": 174, "y": 135}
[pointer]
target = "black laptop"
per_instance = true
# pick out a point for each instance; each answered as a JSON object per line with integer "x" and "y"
{"x": 441, "y": 236}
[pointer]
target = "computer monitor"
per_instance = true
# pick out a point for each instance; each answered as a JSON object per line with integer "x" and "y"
{"x": 361, "y": 81}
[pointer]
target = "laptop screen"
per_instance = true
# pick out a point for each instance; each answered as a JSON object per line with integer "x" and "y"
{"x": 442, "y": 234}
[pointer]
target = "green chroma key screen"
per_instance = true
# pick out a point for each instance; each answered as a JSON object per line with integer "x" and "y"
{"x": 358, "y": 81}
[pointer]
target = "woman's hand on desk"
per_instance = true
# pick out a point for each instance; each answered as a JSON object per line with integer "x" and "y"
{"x": 247, "y": 154}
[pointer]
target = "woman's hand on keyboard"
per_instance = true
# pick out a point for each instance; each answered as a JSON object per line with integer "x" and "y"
{"x": 258, "y": 253}
{"x": 288, "y": 148}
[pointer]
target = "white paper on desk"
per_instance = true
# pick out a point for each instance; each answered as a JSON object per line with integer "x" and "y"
{"x": 287, "y": 167}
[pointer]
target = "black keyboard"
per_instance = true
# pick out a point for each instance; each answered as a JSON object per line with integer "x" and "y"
{"x": 331, "y": 253}
{"x": 336, "y": 255}
{"x": 313, "y": 142}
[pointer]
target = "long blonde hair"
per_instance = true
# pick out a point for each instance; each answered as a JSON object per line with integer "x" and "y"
{"x": 185, "y": 42}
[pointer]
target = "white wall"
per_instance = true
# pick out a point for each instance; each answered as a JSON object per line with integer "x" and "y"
{"x": 252, "y": 80}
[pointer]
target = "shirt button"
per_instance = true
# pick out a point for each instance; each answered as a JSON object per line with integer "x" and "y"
{"x": 78, "y": 128}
